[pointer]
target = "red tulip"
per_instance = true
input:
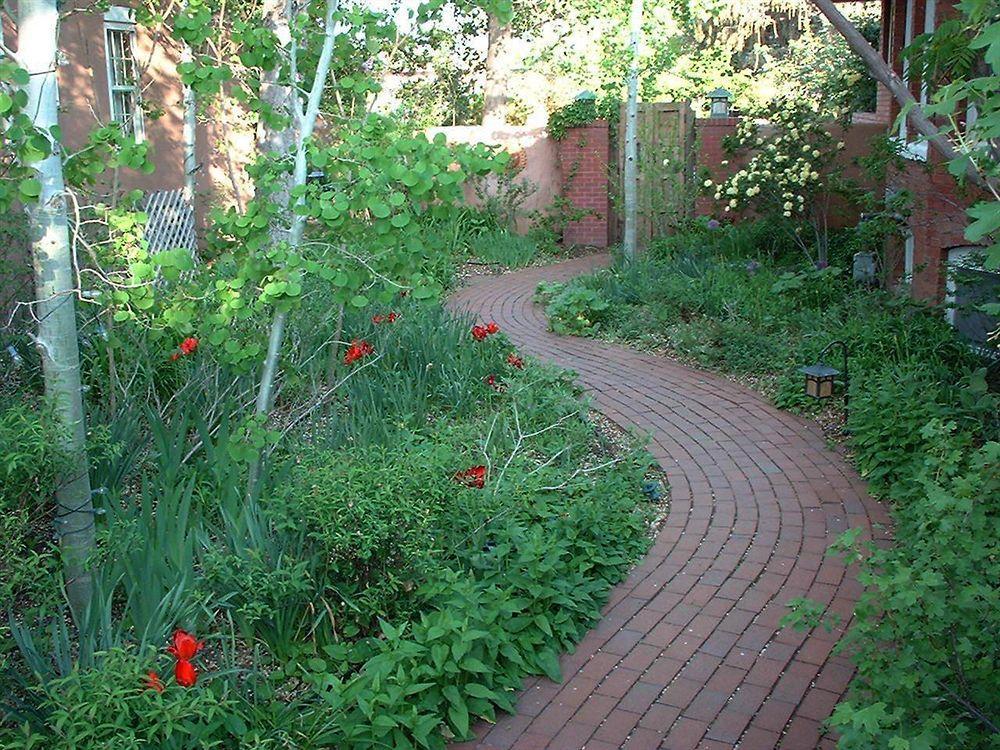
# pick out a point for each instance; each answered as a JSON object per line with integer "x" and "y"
{"x": 357, "y": 350}
{"x": 185, "y": 646}
{"x": 492, "y": 328}
{"x": 514, "y": 361}
{"x": 393, "y": 317}
{"x": 189, "y": 345}
{"x": 491, "y": 381}
{"x": 153, "y": 682}
{"x": 185, "y": 673}
{"x": 479, "y": 333}
{"x": 474, "y": 476}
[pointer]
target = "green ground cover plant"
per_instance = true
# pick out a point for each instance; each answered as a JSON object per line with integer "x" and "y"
{"x": 440, "y": 525}
{"x": 923, "y": 429}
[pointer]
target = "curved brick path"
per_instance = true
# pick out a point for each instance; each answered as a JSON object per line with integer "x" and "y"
{"x": 689, "y": 653}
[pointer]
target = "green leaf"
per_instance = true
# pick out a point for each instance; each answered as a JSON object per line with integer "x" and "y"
{"x": 479, "y": 691}
{"x": 379, "y": 209}
{"x": 459, "y": 718}
{"x": 986, "y": 217}
{"x": 30, "y": 188}
{"x": 549, "y": 663}
{"x": 359, "y": 300}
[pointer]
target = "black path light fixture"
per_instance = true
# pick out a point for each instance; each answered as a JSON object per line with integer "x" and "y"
{"x": 820, "y": 377}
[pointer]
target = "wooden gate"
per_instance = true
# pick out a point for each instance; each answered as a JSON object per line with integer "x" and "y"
{"x": 665, "y": 193}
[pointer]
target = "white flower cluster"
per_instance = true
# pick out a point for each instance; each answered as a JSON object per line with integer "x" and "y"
{"x": 787, "y": 157}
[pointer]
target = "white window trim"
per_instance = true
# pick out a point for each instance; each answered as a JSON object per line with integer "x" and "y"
{"x": 915, "y": 150}
{"x": 909, "y": 246}
{"x": 120, "y": 18}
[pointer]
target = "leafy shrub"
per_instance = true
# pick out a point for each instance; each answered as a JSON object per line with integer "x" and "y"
{"x": 109, "y": 706}
{"x": 925, "y": 635}
{"x": 573, "y": 309}
{"x": 580, "y": 112}
{"x": 28, "y": 462}
{"x": 893, "y": 405}
{"x": 530, "y": 594}
{"x": 373, "y": 516}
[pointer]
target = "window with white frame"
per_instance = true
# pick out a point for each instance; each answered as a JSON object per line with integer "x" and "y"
{"x": 916, "y": 149}
{"x": 968, "y": 286}
{"x": 123, "y": 73}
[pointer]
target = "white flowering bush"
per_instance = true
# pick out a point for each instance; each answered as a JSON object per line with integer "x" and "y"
{"x": 790, "y": 172}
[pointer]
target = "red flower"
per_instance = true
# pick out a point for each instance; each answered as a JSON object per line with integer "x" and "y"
{"x": 491, "y": 381}
{"x": 492, "y": 328}
{"x": 479, "y": 333}
{"x": 185, "y": 646}
{"x": 357, "y": 350}
{"x": 185, "y": 673}
{"x": 514, "y": 361}
{"x": 153, "y": 682}
{"x": 377, "y": 319}
{"x": 189, "y": 345}
{"x": 392, "y": 317}
{"x": 474, "y": 476}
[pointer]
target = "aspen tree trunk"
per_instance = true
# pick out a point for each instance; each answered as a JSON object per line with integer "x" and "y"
{"x": 630, "y": 175}
{"x": 55, "y": 288}
{"x": 495, "y": 85}
{"x": 291, "y": 139}
{"x": 189, "y": 135}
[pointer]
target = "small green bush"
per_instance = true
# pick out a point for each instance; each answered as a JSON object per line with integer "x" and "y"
{"x": 573, "y": 309}
{"x": 373, "y": 515}
{"x": 28, "y": 463}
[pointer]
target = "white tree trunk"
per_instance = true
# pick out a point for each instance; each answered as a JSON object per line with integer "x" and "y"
{"x": 294, "y": 139}
{"x": 190, "y": 135}
{"x": 38, "y": 29}
{"x": 630, "y": 171}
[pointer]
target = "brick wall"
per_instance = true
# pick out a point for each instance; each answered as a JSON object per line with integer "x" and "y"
{"x": 709, "y": 156}
{"x": 937, "y": 222}
{"x": 584, "y": 159}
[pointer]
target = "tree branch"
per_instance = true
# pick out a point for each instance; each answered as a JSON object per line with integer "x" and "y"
{"x": 884, "y": 74}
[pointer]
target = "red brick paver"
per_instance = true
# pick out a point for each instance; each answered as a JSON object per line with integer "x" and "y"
{"x": 689, "y": 655}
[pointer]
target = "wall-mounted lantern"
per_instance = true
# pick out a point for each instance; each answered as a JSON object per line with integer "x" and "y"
{"x": 719, "y": 103}
{"x": 586, "y": 96}
{"x": 820, "y": 377}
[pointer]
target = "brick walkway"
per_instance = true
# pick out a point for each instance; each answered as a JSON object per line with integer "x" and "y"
{"x": 689, "y": 653}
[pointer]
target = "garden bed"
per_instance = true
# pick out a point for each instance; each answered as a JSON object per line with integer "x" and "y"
{"x": 449, "y": 523}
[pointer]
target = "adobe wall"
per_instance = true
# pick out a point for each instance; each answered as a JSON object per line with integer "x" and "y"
{"x": 534, "y": 154}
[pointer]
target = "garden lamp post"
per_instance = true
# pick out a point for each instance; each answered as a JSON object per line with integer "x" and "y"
{"x": 820, "y": 377}
{"x": 719, "y": 103}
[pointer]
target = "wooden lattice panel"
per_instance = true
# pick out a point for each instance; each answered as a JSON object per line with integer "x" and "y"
{"x": 171, "y": 221}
